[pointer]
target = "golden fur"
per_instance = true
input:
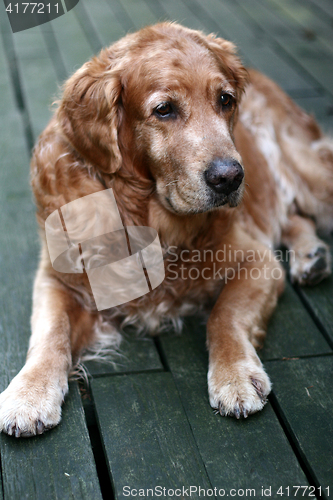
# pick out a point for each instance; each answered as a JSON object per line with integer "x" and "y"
{"x": 107, "y": 132}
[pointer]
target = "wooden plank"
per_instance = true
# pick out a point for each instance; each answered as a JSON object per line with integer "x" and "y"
{"x": 178, "y": 11}
{"x": 69, "y": 28}
{"x": 249, "y": 41}
{"x": 33, "y": 65}
{"x": 298, "y": 18}
{"x": 139, "y": 13}
{"x": 157, "y": 8}
{"x": 136, "y": 354}
{"x": 18, "y": 233}
{"x": 53, "y": 51}
{"x": 325, "y": 7}
{"x": 320, "y": 301}
{"x": 36, "y": 68}
{"x": 102, "y": 20}
{"x": 59, "y": 464}
{"x": 88, "y": 26}
{"x": 146, "y": 435}
{"x": 303, "y": 390}
{"x": 113, "y": 19}
{"x": 247, "y": 453}
{"x": 121, "y": 15}
{"x": 310, "y": 58}
{"x": 227, "y": 445}
{"x": 56, "y": 465}
{"x": 65, "y": 30}
{"x": 19, "y": 252}
{"x": 291, "y": 332}
{"x": 186, "y": 351}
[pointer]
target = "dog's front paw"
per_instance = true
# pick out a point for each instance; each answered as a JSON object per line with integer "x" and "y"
{"x": 238, "y": 390}
{"x": 30, "y": 407}
{"x": 311, "y": 267}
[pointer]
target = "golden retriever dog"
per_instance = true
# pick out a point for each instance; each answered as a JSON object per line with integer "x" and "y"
{"x": 222, "y": 164}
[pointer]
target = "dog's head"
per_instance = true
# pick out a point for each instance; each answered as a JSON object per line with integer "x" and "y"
{"x": 166, "y": 98}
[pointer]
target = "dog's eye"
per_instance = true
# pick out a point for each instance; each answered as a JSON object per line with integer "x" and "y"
{"x": 226, "y": 100}
{"x": 164, "y": 110}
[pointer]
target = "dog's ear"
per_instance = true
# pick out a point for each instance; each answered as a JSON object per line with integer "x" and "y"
{"x": 88, "y": 112}
{"x": 226, "y": 52}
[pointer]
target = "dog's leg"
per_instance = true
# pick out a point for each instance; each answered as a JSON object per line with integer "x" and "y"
{"x": 237, "y": 382}
{"x": 309, "y": 257}
{"x": 32, "y": 402}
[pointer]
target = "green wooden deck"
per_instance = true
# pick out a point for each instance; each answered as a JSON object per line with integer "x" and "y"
{"x": 145, "y": 422}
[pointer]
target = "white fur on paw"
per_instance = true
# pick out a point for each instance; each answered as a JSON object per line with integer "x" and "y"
{"x": 311, "y": 267}
{"x": 240, "y": 391}
{"x": 27, "y": 410}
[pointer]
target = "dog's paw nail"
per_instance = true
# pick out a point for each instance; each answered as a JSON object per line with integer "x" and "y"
{"x": 40, "y": 427}
{"x": 222, "y": 410}
{"x": 245, "y": 413}
{"x": 237, "y": 413}
{"x": 9, "y": 430}
{"x": 256, "y": 384}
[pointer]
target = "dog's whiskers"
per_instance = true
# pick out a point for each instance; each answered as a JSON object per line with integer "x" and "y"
{"x": 171, "y": 182}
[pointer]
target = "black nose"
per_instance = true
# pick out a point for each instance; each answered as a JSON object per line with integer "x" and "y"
{"x": 224, "y": 176}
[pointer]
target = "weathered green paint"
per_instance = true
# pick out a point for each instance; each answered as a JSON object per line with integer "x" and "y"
{"x": 60, "y": 464}
{"x": 136, "y": 354}
{"x": 256, "y": 446}
{"x": 303, "y": 389}
{"x": 147, "y": 439}
{"x": 291, "y": 331}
